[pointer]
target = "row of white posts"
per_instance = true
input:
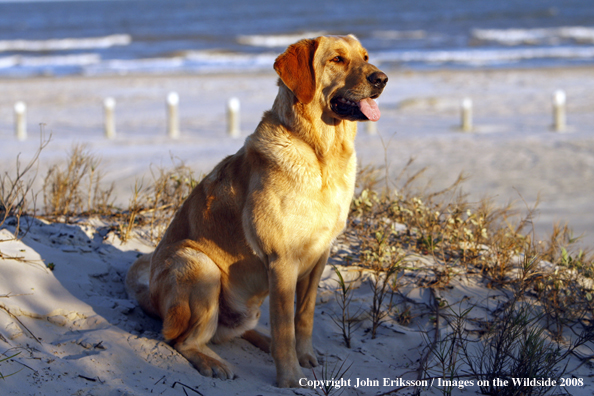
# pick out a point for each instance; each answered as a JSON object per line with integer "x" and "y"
{"x": 172, "y": 103}
{"x": 172, "y": 116}
{"x": 109, "y": 104}
{"x": 233, "y": 120}
{"x": 559, "y": 118}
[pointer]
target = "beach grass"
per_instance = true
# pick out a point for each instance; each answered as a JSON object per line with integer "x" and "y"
{"x": 398, "y": 234}
{"x": 4, "y": 376}
{"x": 439, "y": 240}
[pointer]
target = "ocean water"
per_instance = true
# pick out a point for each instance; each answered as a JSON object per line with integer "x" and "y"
{"x": 194, "y": 36}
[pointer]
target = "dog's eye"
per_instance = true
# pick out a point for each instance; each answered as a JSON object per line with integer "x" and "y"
{"x": 366, "y": 58}
{"x": 337, "y": 59}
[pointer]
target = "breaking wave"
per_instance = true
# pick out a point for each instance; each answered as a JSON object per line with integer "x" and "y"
{"x": 65, "y": 43}
{"x": 486, "y": 56}
{"x": 49, "y": 61}
{"x": 276, "y": 41}
{"x": 578, "y": 34}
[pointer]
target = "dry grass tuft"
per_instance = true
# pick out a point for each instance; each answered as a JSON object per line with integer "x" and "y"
{"x": 156, "y": 204}
{"x": 17, "y": 197}
{"x": 75, "y": 189}
{"x": 414, "y": 237}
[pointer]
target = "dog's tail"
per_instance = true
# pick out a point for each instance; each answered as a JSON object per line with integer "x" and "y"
{"x": 137, "y": 284}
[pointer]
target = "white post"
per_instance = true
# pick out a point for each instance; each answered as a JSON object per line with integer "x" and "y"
{"x": 233, "y": 108}
{"x": 466, "y": 108}
{"x": 371, "y": 126}
{"x": 173, "y": 115}
{"x": 20, "y": 120}
{"x": 109, "y": 107}
{"x": 559, "y": 120}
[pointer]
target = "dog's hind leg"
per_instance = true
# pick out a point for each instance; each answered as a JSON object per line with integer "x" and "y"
{"x": 192, "y": 309}
{"x": 257, "y": 339}
{"x": 204, "y": 359}
{"x": 137, "y": 284}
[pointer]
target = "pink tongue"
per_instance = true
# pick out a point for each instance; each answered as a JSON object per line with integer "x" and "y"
{"x": 370, "y": 109}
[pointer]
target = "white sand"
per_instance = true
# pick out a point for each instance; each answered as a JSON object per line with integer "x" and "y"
{"x": 75, "y": 329}
{"x": 76, "y": 332}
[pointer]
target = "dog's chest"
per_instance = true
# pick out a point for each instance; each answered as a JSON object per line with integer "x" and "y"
{"x": 300, "y": 201}
{"x": 321, "y": 205}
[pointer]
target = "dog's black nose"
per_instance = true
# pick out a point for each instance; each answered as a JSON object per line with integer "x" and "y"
{"x": 378, "y": 79}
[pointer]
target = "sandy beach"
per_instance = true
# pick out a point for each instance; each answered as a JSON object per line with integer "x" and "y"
{"x": 513, "y": 154}
{"x": 74, "y": 327}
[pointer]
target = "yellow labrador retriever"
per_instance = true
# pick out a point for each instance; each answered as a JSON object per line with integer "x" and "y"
{"x": 262, "y": 222}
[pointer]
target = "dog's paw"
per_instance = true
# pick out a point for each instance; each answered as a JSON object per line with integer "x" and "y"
{"x": 308, "y": 360}
{"x": 210, "y": 367}
{"x": 289, "y": 383}
{"x": 222, "y": 371}
{"x": 290, "y": 379}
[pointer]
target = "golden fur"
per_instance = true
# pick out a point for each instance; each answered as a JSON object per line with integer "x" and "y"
{"x": 262, "y": 222}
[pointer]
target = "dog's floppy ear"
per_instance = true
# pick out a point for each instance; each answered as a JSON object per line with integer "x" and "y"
{"x": 295, "y": 68}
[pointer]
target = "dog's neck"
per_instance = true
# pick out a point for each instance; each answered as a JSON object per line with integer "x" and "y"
{"x": 328, "y": 136}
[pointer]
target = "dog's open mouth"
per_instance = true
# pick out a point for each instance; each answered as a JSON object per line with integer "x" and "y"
{"x": 365, "y": 109}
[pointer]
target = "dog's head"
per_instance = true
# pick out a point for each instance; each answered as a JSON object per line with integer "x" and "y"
{"x": 333, "y": 72}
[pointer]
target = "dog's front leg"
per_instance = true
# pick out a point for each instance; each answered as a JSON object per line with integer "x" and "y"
{"x": 307, "y": 289}
{"x": 282, "y": 277}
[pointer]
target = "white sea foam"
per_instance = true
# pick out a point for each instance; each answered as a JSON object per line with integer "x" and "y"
{"x": 191, "y": 61}
{"x": 485, "y": 56}
{"x": 8, "y": 61}
{"x": 49, "y": 61}
{"x": 65, "y": 43}
{"x": 580, "y": 34}
{"x": 64, "y": 60}
{"x": 126, "y": 66}
{"x": 275, "y": 41}
{"x": 233, "y": 60}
